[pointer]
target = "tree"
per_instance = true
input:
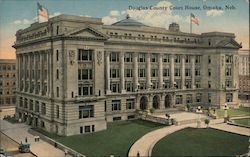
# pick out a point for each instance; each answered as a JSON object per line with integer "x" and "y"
{"x": 207, "y": 121}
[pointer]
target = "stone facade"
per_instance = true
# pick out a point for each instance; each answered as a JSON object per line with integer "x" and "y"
{"x": 76, "y": 74}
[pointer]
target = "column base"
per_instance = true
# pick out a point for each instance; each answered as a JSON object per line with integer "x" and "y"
{"x": 123, "y": 91}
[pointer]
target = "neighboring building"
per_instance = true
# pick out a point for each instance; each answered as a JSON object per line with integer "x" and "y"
{"x": 7, "y": 87}
{"x": 244, "y": 77}
{"x": 75, "y": 74}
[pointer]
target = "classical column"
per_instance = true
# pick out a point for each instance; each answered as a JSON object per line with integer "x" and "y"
{"x": 135, "y": 71}
{"x": 25, "y": 72}
{"x": 107, "y": 54}
{"x": 172, "y": 70}
{"x": 41, "y": 71}
{"x": 122, "y": 72}
{"x": 183, "y": 72}
{"x": 193, "y": 71}
{"x": 48, "y": 70}
{"x": 148, "y": 71}
{"x": 17, "y": 72}
{"x": 160, "y": 71}
{"x": 30, "y": 70}
{"x": 35, "y": 72}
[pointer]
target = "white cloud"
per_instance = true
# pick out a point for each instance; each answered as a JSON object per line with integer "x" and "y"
{"x": 23, "y": 22}
{"x": 114, "y": 13}
{"x": 215, "y": 12}
{"x": 107, "y": 20}
{"x": 34, "y": 19}
{"x": 54, "y": 14}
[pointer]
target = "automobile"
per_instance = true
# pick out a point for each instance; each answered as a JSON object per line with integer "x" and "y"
{"x": 24, "y": 148}
{"x": 2, "y": 151}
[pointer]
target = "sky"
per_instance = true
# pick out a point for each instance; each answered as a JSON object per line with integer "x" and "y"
{"x": 19, "y": 14}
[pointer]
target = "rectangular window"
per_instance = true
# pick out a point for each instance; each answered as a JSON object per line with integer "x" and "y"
{"x": 57, "y": 55}
{"x": 116, "y": 105}
{"x": 229, "y": 83}
{"x": 197, "y": 83}
{"x": 85, "y": 55}
{"x": 198, "y": 97}
{"x": 166, "y": 72}
{"x": 197, "y": 72}
{"x": 128, "y": 57}
{"x": 209, "y": 72}
{"x": 129, "y": 86}
{"x": 37, "y": 106}
{"x": 154, "y": 57}
{"x": 115, "y": 87}
{"x": 228, "y": 71}
{"x": 177, "y": 59}
{"x": 178, "y": 99}
{"x": 197, "y": 59}
{"x": 188, "y": 84}
{"x": 87, "y": 129}
{"x": 209, "y": 84}
{"x": 43, "y": 109}
{"x": 154, "y": 72}
{"x": 189, "y": 99}
{"x": 187, "y": 72}
{"x": 187, "y": 59}
{"x": 209, "y": 59}
{"x": 209, "y": 97}
{"x": 177, "y": 72}
{"x": 128, "y": 72}
{"x": 142, "y": 72}
{"x": 130, "y": 104}
{"x": 114, "y": 73}
{"x": 229, "y": 58}
{"x": 86, "y": 111}
{"x": 86, "y": 74}
{"x": 114, "y": 57}
{"x": 142, "y": 57}
{"x": 166, "y": 58}
{"x": 85, "y": 90}
{"x": 229, "y": 97}
{"x": 31, "y": 105}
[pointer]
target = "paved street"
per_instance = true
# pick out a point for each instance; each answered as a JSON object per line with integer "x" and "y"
{"x": 12, "y": 147}
{"x": 18, "y": 132}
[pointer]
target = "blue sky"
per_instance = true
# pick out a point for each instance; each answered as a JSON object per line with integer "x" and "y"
{"x": 16, "y": 14}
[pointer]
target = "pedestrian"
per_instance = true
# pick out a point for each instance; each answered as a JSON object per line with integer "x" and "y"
{"x": 138, "y": 154}
{"x": 55, "y": 144}
{"x": 65, "y": 152}
{"x": 26, "y": 139}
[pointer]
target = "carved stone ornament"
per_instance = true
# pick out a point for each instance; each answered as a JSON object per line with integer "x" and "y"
{"x": 71, "y": 56}
{"x": 99, "y": 57}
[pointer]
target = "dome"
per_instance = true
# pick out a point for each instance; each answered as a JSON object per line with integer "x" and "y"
{"x": 128, "y": 22}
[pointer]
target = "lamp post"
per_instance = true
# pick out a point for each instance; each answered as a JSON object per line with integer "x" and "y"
{"x": 225, "y": 113}
{"x": 199, "y": 111}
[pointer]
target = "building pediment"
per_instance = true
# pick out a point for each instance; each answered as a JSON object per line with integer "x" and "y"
{"x": 228, "y": 44}
{"x": 87, "y": 32}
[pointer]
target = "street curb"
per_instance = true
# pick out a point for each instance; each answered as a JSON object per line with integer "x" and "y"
{"x": 17, "y": 143}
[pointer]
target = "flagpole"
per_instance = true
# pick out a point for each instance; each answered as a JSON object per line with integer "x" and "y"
{"x": 190, "y": 24}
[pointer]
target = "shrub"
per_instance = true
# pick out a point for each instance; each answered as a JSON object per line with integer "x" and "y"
{"x": 207, "y": 122}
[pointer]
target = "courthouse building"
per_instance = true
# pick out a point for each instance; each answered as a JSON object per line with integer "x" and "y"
{"x": 75, "y": 74}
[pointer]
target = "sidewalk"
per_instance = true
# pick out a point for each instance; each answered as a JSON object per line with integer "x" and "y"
{"x": 146, "y": 143}
{"x": 19, "y": 132}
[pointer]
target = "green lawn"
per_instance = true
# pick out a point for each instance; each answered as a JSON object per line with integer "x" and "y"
{"x": 244, "y": 121}
{"x": 116, "y": 140}
{"x": 201, "y": 142}
{"x": 242, "y": 111}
